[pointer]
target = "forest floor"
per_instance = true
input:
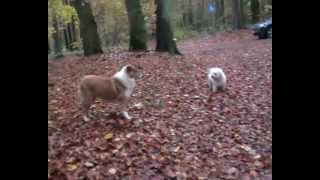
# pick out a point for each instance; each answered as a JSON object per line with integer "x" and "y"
{"x": 175, "y": 133}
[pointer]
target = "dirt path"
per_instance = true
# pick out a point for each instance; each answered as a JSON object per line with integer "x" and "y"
{"x": 176, "y": 134}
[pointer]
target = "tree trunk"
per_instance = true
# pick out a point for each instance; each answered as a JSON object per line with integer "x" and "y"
{"x": 200, "y": 15}
{"x": 57, "y": 38}
{"x": 71, "y": 35}
{"x": 88, "y": 28}
{"x": 219, "y": 15}
{"x": 137, "y": 27}
{"x": 255, "y": 11}
{"x": 164, "y": 32}
{"x": 67, "y": 31}
{"x": 49, "y": 50}
{"x": 76, "y": 35}
{"x": 184, "y": 14}
{"x": 67, "y": 39}
{"x": 190, "y": 14}
{"x": 236, "y": 15}
{"x": 262, "y": 9}
{"x": 242, "y": 14}
{"x": 222, "y": 11}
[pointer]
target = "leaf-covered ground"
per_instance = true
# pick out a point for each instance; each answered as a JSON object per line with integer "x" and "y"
{"x": 175, "y": 133}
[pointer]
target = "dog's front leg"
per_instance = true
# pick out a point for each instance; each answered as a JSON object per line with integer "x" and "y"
{"x": 124, "y": 110}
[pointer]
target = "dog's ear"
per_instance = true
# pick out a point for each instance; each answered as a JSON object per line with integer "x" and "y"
{"x": 129, "y": 69}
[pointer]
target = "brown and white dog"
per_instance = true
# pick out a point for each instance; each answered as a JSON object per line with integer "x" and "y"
{"x": 116, "y": 89}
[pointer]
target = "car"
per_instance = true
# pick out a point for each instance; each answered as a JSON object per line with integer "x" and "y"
{"x": 263, "y": 29}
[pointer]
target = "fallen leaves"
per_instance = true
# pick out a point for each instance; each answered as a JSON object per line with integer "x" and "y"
{"x": 176, "y": 133}
{"x": 112, "y": 171}
{"x": 88, "y": 164}
{"x": 129, "y": 135}
{"x": 108, "y": 136}
{"x": 71, "y": 167}
{"x": 176, "y": 149}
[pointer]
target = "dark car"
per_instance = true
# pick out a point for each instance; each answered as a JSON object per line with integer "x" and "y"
{"x": 263, "y": 29}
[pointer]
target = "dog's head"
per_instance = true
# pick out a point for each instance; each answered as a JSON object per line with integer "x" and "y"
{"x": 215, "y": 75}
{"x": 133, "y": 72}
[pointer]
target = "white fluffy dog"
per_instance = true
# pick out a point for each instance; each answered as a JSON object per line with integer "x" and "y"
{"x": 217, "y": 79}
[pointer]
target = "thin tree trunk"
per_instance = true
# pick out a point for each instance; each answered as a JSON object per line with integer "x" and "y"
{"x": 255, "y": 11}
{"x": 164, "y": 32}
{"x": 236, "y": 14}
{"x": 71, "y": 35}
{"x": 76, "y": 34}
{"x": 49, "y": 49}
{"x": 190, "y": 14}
{"x": 262, "y": 9}
{"x": 57, "y": 38}
{"x": 242, "y": 14}
{"x": 199, "y": 15}
{"x": 184, "y": 14}
{"x": 219, "y": 15}
{"x": 222, "y": 11}
{"x": 88, "y": 28}
{"x": 137, "y": 27}
{"x": 66, "y": 37}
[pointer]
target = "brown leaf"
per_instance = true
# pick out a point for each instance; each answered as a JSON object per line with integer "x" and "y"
{"x": 108, "y": 136}
{"x": 71, "y": 167}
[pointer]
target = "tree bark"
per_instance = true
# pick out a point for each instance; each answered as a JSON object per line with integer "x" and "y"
{"x": 184, "y": 14}
{"x": 76, "y": 34}
{"x": 242, "y": 14}
{"x": 137, "y": 27}
{"x": 67, "y": 39}
{"x": 49, "y": 49}
{"x": 255, "y": 11}
{"x": 57, "y": 38}
{"x": 222, "y": 11}
{"x": 200, "y": 15}
{"x": 219, "y": 15}
{"x": 88, "y": 28}
{"x": 190, "y": 18}
{"x": 236, "y": 15}
{"x": 164, "y": 32}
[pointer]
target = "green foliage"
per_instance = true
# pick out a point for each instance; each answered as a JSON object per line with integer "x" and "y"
{"x": 50, "y": 31}
{"x": 75, "y": 45}
{"x": 189, "y": 18}
{"x": 148, "y": 9}
{"x": 67, "y": 14}
{"x": 64, "y": 13}
{"x": 268, "y": 10}
{"x": 112, "y": 21}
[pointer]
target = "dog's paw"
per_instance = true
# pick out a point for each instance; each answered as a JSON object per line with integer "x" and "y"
{"x": 86, "y": 119}
{"x": 126, "y": 115}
